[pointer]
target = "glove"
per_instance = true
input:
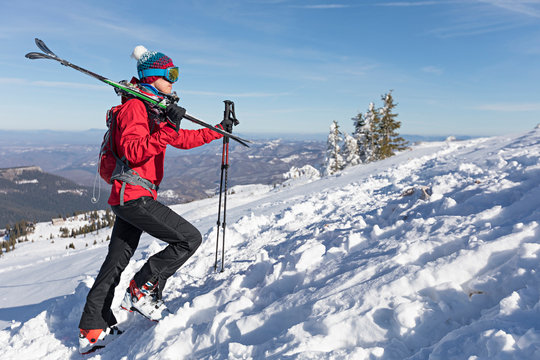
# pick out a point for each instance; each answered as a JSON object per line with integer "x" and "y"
{"x": 227, "y": 125}
{"x": 174, "y": 114}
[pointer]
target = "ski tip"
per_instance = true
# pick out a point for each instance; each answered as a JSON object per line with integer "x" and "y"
{"x": 37, "y": 55}
{"x": 41, "y": 45}
{"x": 34, "y": 55}
{"x": 94, "y": 349}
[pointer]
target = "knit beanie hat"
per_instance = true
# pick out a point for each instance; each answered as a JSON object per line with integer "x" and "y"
{"x": 150, "y": 60}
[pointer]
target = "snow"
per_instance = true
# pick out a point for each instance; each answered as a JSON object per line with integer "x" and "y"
{"x": 306, "y": 173}
{"x": 290, "y": 158}
{"x": 430, "y": 254}
{"x": 22, "y": 182}
{"x": 168, "y": 194}
{"x": 80, "y": 192}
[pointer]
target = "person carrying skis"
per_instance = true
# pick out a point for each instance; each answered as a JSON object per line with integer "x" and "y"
{"x": 141, "y": 134}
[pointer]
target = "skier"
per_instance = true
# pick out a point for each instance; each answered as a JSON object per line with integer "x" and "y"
{"x": 141, "y": 135}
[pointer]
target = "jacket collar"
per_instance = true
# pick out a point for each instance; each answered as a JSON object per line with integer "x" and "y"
{"x": 149, "y": 89}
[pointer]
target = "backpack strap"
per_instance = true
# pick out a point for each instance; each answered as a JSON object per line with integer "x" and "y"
{"x": 122, "y": 172}
{"x": 133, "y": 178}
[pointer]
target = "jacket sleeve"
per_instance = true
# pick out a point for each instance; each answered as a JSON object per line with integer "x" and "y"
{"x": 136, "y": 142}
{"x": 188, "y": 139}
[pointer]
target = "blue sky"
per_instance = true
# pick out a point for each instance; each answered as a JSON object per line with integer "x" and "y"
{"x": 456, "y": 67}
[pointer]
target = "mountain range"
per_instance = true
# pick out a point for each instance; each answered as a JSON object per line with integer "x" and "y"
{"x": 64, "y": 160}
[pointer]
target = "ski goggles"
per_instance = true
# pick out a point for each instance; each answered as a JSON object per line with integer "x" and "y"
{"x": 170, "y": 74}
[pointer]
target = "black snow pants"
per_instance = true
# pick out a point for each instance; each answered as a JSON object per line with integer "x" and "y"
{"x": 134, "y": 217}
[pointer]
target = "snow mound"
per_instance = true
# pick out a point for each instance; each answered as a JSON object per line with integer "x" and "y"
{"x": 306, "y": 171}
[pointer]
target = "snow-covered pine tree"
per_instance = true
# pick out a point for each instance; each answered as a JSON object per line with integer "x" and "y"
{"x": 389, "y": 140}
{"x": 334, "y": 160}
{"x": 350, "y": 151}
{"x": 361, "y": 135}
{"x": 368, "y": 136}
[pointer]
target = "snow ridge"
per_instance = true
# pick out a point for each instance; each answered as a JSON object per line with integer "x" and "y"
{"x": 432, "y": 254}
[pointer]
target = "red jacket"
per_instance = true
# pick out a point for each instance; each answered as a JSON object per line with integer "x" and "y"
{"x": 143, "y": 143}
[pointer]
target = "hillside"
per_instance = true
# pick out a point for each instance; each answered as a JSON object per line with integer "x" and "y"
{"x": 431, "y": 254}
{"x": 29, "y": 193}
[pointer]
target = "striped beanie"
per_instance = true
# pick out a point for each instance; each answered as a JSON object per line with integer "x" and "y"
{"x": 150, "y": 60}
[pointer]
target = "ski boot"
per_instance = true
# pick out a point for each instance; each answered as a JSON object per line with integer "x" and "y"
{"x": 93, "y": 339}
{"x": 144, "y": 300}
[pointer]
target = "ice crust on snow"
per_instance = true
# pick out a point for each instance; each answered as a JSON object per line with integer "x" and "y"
{"x": 341, "y": 267}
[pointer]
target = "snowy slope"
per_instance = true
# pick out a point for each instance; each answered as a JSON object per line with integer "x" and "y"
{"x": 431, "y": 254}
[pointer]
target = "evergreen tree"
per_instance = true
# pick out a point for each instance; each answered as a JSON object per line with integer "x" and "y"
{"x": 389, "y": 140}
{"x": 350, "y": 151}
{"x": 361, "y": 135}
{"x": 64, "y": 232}
{"x": 369, "y": 146}
{"x": 334, "y": 160}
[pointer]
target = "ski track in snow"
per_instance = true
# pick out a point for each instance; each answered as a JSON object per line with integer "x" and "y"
{"x": 431, "y": 254}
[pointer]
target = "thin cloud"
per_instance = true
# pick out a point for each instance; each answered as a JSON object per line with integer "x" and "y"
{"x": 473, "y": 28}
{"x": 210, "y": 62}
{"x": 52, "y": 84}
{"x": 423, "y": 3}
{"x": 68, "y": 85}
{"x": 323, "y": 6}
{"x": 142, "y": 33}
{"x": 237, "y": 95}
{"x": 525, "y": 7}
{"x": 482, "y": 16}
{"x": 12, "y": 81}
{"x": 509, "y": 107}
{"x": 432, "y": 70}
{"x": 411, "y": 3}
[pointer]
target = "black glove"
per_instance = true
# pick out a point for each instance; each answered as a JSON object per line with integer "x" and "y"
{"x": 227, "y": 125}
{"x": 174, "y": 114}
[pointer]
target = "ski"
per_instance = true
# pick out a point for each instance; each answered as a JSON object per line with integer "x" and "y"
{"x": 92, "y": 350}
{"x": 126, "y": 89}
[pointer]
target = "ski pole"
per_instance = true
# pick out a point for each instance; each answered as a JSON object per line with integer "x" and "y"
{"x": 219, "y": 205}
{"x": 225, "y": 204}
{"x": 228, "y": 114}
